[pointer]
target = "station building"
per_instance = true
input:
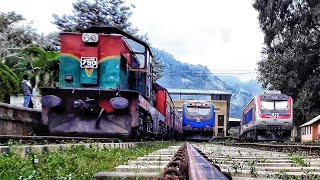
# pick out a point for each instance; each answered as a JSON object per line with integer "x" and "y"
{"x": 220, "y": 99}
{"x": 310, "y": 130}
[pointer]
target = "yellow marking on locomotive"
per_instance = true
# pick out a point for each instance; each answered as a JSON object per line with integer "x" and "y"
{"x": 88, "y": 71}
{"x": 70, "y": 55}
{"x": 108, "y": 58}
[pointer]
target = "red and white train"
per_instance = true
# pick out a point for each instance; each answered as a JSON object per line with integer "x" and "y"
{"x": 267, "y": 117}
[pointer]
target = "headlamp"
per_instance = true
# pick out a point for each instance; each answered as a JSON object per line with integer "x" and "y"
{"x": 90, "y": 37}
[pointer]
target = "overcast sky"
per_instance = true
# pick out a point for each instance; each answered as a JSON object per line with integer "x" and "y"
{"x": 221, "y": 34}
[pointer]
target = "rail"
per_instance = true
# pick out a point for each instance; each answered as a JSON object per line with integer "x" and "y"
{"x": 192, "y": 164}
{"x": 292, "y": 148}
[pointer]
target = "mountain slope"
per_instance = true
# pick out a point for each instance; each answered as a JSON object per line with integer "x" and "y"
{"x": 188, "y": 76}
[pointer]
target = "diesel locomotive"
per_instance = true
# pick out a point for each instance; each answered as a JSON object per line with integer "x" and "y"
{"x": 198, "y": 120}
{"x": 106, "y": 88}
{"x": 267, "y": 117}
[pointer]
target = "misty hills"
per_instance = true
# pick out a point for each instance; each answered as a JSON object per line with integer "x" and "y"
{"x": 188, "y": 76}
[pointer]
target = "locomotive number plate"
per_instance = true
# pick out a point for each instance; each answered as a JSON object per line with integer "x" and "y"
{"x": 89, "y": 62}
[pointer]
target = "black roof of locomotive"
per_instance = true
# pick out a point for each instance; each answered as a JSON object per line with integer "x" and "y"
{"x": 115, "y": 30}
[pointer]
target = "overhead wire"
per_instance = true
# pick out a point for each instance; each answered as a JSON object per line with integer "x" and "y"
{"x": 215, "y": 72}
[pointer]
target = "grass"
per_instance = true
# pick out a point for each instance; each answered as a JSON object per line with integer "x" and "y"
{"x": 298, "y": 159}
{"x": 73, "y": 163}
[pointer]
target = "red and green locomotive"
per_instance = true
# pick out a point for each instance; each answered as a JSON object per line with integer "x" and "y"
{"x": 106, "y": 88}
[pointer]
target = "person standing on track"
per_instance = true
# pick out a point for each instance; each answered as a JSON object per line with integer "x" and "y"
{"x": 27, "y": 90}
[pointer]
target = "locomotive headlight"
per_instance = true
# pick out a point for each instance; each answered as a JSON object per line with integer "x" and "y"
{"x": 90, "y": 37}
{"x": 85, "y": 37}
{"x": 94, "y": 38}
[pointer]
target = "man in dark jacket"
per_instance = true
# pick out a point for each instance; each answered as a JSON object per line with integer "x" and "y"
{"x": 27, "y": 90}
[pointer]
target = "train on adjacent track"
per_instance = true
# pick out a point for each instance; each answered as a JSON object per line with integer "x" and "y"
{"x": 198, "y": 120}
{"x": 106, "y": 89}
{"x": 267, "y": 117}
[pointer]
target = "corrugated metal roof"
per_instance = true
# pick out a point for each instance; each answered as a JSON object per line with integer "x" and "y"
{"x": 311, "y": 121}
{"x": 196, "y": 91}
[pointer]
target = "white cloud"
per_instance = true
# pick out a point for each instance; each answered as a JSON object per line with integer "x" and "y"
{"x": 38, "y": 11}
{"x": 221, "y": 34}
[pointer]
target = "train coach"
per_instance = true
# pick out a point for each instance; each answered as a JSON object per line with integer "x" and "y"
{"x": 267, "y": 117}
{"x": 198, "y": 120}
{"x": 106, "y": 88}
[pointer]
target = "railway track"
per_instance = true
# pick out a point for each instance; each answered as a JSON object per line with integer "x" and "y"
{"x": 9, "y": 139}
{"x": 296, "y": 148}
{"x": 240, "y": 162}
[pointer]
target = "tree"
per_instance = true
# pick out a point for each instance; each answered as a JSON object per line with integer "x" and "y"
{"x": 98, "y": 13}
{"x": 41, "y": 65}
{"x": 158, "y": 69}
{"x": 291, "y": 53}
{"x": 9, "y": 83}
{"x": 12, "y": 31}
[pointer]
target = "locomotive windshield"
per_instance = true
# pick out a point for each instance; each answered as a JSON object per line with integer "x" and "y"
{"x": 274, "y": 105}
{"x": 191, "y": 110}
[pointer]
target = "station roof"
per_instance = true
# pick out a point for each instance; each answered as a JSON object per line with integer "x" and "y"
{"x": 311, "y": 121}
{"x": 196, "y": 91}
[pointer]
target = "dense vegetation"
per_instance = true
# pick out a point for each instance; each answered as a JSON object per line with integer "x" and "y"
{"x": 74, "y": 163}
{"x": 291, "y": 60}
{"x": 9, "y": 82}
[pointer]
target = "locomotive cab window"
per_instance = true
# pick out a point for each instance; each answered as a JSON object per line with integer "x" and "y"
{"x": 135, "y": 46}
{"x": 123, "y": 64}
{"x": 139, "y": 51}
{"x": 204, "y": 111}
{"x": 141, "y": 60}
{"x": 267, "y": 105}
{"x": 198, "y": 110}
{"x": 274, "y": 105}
{"x": 281, "y": 105}
{"x": 192, "y": 110}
